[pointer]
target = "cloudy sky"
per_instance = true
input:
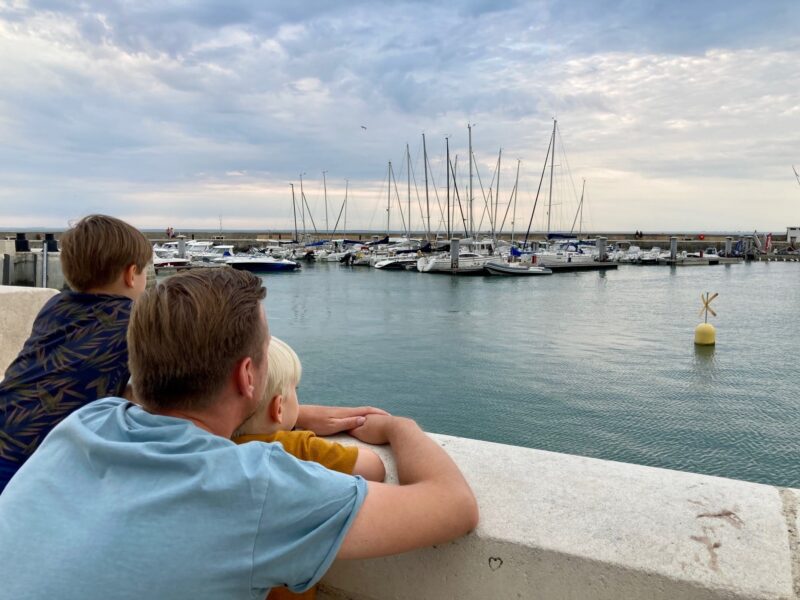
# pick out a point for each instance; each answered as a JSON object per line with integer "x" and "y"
{"x": 678, "y": 114}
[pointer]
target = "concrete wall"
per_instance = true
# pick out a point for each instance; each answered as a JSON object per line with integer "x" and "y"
{"x": 18, "y": 308}
{"x": 559, "y": 526}
{"x": 25, "y": 269}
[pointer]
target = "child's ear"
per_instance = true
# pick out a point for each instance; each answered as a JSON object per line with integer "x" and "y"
{"x": 276, "y": 409}
{"x": 128, "y": 275}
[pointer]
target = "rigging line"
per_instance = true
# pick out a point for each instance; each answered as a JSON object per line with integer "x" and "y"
{"x": 341, "y": 210}
{"x": 436, "y": 193}
{"x": 399, "y": 202}
{"x": 483, "y": 193}
{"x": 308, "y": 208}
{"x": 378, "y": 203}
{"x": 458, "y": 198}
{"x": 536, "y": 201}
{"x": 566, "y": 161}
{"x": 416, "y": 191}
{"x": 508, "y": 206}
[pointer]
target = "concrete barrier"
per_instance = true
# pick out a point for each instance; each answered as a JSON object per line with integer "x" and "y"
{"x": 18, "y": 308}
{"x": 560, "y": 526}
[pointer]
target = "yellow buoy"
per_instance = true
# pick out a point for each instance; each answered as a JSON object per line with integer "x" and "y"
{"x": 705, "y": 334}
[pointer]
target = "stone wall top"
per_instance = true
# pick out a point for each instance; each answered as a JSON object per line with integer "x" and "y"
{"x": 561, "y": 526}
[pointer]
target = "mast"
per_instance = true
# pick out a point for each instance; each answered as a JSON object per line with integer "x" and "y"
{"x": 447, "y": 140}
{"x": 427, "y": 199}
{"x": 471, "y": 221}
{"x": 408, "y": 175}
{"x": 552, "y": 160}
{"x": 578, "y": 213}
{"x": 303, "y": 207}
{"x": 294, "y": 211}
{"x": 346, "y": 185}
{"x": 497, "y": 194}
{"x": 514, "y": 215}
{"x": 325, "y": 188}
{"x": 388, "y": 197}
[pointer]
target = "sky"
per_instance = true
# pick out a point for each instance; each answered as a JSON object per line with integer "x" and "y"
{"x": 678, "y": 115}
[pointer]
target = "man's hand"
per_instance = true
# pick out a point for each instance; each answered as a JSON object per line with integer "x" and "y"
{"x": 328, "y": 420}
{"x": 376, "y": 429}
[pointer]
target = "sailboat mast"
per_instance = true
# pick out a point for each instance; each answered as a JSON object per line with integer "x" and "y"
{"x": 325, "y": 195}
{"x": 579, "y": 213}
{"x": 303, "y": 207}
{"x": 408, "y": 176}
{"x": 294, "y": 212}
{"x": 447, "y": 141}
{"x": 427, "y": 198}
{"x": 471, "y": 222}
{"x": 388, "y": 197}
{"x": 514, "y": 215}
{"x": 346, "y": 186}
{"x": 497, "y": 193}
{"x": 552, "y": 160}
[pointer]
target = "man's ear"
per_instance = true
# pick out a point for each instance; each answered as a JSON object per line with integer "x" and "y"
{"x": 245, "y": 378}
{"x": 276, "y": 409}
{"x": 128, "y": 275}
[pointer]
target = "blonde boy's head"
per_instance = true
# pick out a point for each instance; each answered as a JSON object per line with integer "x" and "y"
{"x": 283, "y": 374}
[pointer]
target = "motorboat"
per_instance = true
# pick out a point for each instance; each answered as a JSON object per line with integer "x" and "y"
{"x": 397, "y": 262}
{"x": 502, "y": 267}
{"x": 261, "y": 264}
{"x": 468, "y": 262}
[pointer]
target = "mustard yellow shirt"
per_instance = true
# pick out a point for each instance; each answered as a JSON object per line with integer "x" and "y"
{"x": 307, "y": 446}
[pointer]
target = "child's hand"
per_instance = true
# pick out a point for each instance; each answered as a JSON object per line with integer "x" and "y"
{"x": 328, "y": 420}
{"x": 377, "y": 429}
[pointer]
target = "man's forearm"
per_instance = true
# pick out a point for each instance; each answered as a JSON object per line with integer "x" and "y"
{"x": 419, "y": 458}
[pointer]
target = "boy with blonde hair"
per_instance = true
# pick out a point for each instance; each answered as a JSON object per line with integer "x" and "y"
{"x": 274, "y": 421}
{"x": 276, "y": 416}
{"x": 77, "y": 351}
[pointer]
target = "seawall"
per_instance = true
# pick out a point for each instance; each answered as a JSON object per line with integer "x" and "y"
{"x": 557, "y": 526}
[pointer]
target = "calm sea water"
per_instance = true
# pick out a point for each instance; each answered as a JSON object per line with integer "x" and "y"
{"x": 594, "y": 364}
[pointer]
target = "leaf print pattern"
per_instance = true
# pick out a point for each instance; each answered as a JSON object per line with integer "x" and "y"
{"x": 77, "y": 353}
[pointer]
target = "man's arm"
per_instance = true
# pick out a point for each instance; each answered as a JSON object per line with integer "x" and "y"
{"x": 328, "y": 420}
{"x": 432, "y": 504}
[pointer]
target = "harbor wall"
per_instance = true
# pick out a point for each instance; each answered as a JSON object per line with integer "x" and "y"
{"x": 18, "y": 308}
{"x": 556, "y": 526}
{"x": 561, "y": 526}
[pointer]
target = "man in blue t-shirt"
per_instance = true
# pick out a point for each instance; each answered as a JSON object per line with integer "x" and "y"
{"x": 155, "y": 501}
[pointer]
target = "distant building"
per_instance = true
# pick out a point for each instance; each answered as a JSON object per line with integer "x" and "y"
{"x": 793, "y": 236}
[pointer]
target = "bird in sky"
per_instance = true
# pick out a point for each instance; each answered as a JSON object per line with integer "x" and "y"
{"x": 363, "y": 127}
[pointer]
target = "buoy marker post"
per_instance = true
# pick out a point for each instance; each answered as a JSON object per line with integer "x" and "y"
{"x": 705, "y": 334}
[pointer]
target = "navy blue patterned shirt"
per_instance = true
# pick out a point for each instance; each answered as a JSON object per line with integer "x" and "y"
{"x": 77, "y": 353}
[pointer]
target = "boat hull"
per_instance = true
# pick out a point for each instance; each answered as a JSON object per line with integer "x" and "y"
{"x": 259, "y": 266}
{"x": 513, "y": 270}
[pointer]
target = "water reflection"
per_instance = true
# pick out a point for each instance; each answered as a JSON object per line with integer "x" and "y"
{"x": 704, "y": 356}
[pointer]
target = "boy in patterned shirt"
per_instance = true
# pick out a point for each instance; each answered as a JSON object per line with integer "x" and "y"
{"x": 77, "y": 351}
{"x": 275, "y": 419}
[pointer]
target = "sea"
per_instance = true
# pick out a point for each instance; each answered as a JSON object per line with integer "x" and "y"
{"x": 599, "y": 364}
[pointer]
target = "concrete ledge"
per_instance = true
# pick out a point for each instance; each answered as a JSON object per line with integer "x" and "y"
{"x": 18, "y": 309}
{"x": 561, "y": 526}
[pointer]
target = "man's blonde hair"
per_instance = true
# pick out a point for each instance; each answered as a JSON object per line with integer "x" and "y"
{"x": 283, "y": 371}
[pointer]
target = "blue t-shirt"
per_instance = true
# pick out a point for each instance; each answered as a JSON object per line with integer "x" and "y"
{"x": 76, "y": 353}
{"x": 120, "y": 503}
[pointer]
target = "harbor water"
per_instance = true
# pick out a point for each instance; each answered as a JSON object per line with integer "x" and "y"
{"x": 594, "y": 364}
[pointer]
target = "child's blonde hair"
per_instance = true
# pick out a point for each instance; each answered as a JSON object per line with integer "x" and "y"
{"x": 283, "y": 371}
